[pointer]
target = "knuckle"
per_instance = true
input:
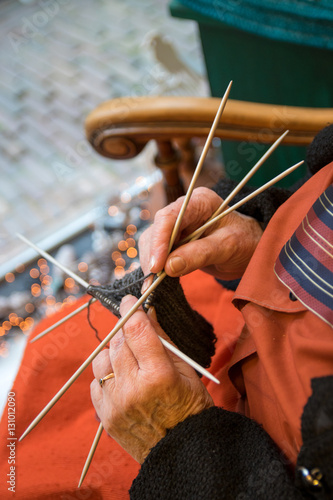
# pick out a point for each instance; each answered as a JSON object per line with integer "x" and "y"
{"x": 136, "y": 326}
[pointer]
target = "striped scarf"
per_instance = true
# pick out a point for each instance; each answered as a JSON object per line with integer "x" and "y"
{"x": 305, "y": 263}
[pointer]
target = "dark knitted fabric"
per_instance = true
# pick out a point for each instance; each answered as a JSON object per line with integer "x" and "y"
{"x": 262, "y": 207}
{"x": 320, "y": 151}
{"x": 191, "y": 333}
{"x": 223, "y": 455}
{"x": 211, "y": 456}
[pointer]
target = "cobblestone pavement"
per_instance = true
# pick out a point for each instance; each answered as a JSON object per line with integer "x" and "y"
{"x": 59, "y": 59}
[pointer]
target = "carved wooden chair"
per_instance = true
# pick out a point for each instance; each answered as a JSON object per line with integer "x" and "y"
{"x": 121, "y": 128}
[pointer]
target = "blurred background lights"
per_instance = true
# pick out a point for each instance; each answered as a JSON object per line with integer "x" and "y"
{"x": 113, "y": 211}
{"x": 131, "y": 229}
{"x": 10, "y": 277}
{"x": 132, "y": 253}
{"x": 125, "y": 197}
{"x": 82, "y": 267}
{"x": 34, "y": 273}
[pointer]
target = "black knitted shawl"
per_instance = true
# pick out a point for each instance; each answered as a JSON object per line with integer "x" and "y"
{"x": 219, "y": 454}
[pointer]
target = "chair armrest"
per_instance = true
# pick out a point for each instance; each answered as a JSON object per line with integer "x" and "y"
{"x": 120, "y": 128}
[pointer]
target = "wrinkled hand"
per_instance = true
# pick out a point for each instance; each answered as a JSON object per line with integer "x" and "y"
{"x": 224, "y": 250}
{"x": 152, "y": 390}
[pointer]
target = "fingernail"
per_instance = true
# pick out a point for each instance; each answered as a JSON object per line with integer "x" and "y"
{"x": 152, "y": 313}
{"x": 146, "y": 284}
{"x": 177, "y": 264}
{"x": 152, "y": 263}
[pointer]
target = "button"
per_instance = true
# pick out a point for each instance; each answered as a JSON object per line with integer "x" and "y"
{"x": 311, "y": 479}
{"x": 292, "y": 297}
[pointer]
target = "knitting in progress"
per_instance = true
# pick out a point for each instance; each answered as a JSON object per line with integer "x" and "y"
{"x": 190, "y": 331}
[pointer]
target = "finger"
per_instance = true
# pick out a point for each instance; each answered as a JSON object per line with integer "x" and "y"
{"x": 147, "y": 283}
{"x": 142, "y": 338}
{"x": 102, "y": 365}
{"x": 144, "y": 250}
{"x": 153, "y": 244}
{"x": 96, "y": 394}
{"x": 122, "y": 359}
{"x": 202, "y": 204}
{"x": 214, "y": 249}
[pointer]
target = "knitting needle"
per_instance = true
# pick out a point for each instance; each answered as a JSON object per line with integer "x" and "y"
{"x": 199, "y": 166}
{"x": 200, "y": 230}
{"x": 62, "y": 320}
{"x": 247, "y": 177}
{"x": 172, "y": 240}
{"x": 91, "y": 454}
{"x": 219, "y": 210}
{"x": 54, "y": 261}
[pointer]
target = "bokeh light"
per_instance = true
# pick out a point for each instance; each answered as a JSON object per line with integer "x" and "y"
{"x": 132, "y": 253}
{"x": 113, "y": 211}
{"x": 82, "y": 267}
{"x": 69, "y": 283}
{"x": 10, "y": 277}
{"x": 116, "y": 255}
{"x": 34, "y": 273}
{"x": 131, "y": 242}
{"x": 119, "y": 272}
{"x": 125, "y": 197}
{"x": 35, "y": 290}
{"x": 144, "y": 214}
{"x": 122, "y": 245}
{"x": 131, "y": 229}
{"x": 29, "y": 307}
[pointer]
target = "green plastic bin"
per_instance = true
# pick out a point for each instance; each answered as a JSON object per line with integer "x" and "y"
{"x": 263, "y": 70}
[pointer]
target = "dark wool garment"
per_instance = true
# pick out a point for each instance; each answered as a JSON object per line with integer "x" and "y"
{"x": 221, "y": 455}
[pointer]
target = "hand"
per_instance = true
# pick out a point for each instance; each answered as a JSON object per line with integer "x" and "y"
{"x": 152, "y": 390}
{"x": 224, "y": 250}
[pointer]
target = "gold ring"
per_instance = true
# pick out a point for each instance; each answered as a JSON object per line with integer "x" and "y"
{"x": 102, "y": 380}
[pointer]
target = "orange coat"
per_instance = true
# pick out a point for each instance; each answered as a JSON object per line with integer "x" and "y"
{"x": 283, "y": 345}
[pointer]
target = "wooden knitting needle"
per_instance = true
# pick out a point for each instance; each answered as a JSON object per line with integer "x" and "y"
{"x": 195, "y": 235}
{"x": 219, "y": 210}
{"x": 247, "y": 177}
{"x": 91, "y": 453}
{"x": 62, "y": 320}
{"x": 199, "y": 166}
{"x": 171, "y": 243}
{"x": 49, "y": 257}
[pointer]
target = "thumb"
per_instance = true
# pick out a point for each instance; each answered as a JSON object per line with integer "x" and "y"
{"x": 199, "y": 254}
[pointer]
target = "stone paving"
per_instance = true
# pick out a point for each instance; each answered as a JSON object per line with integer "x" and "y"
{"x": 58, "y": 60}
